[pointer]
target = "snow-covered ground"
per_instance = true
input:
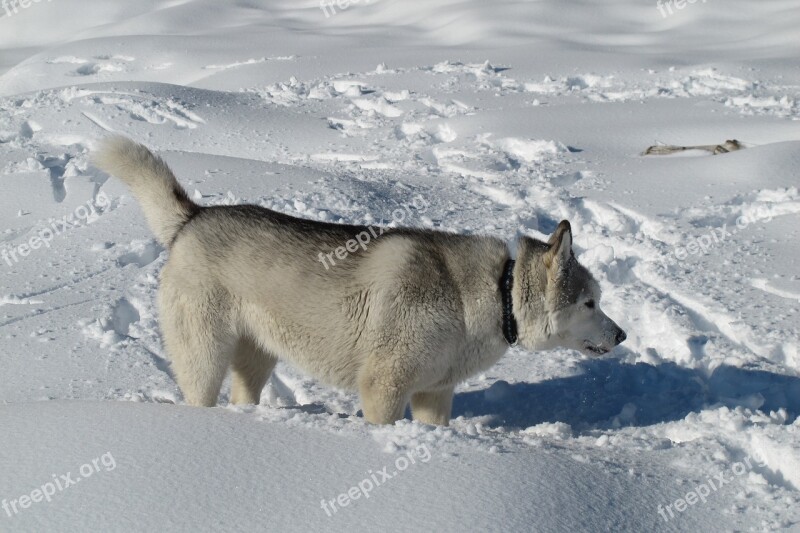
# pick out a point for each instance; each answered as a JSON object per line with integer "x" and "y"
{"x": 506, "y": 116}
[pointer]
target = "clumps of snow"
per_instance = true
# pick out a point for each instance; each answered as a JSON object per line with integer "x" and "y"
{"x": 140, "y": 253}
{"x": 10, "y": 299}
{"x": 447, "y": 109}
{"x": 550, "y": 430}
{"x": 764, "y": 102}
{"x": 528, "y": 150}
{"x": 589, "y": 83}
{"x": 68, "y": 59}
{"x": 743, "y": 210}
{"x": 748, "y": 97}
{"x": 91, "y": 69}
{"x": 115, "y": 327}
{"x": 154, "y": 111}
{"x": 295, "y": 92}
{"x": 381, "y": 107}
{"x": 246, "y": 62}
{"x": 30, "y": 164}
{"x": 709, "y": 82}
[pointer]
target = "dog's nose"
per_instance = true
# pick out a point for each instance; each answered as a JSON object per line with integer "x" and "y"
{"x": 621, "y": 336}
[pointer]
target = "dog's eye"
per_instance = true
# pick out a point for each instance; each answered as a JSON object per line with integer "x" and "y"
{"x": 589, "y": 304}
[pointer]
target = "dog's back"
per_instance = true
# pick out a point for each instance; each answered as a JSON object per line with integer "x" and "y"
{"x": 329, "y": 319}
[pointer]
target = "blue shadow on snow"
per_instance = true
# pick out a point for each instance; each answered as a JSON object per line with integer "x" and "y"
{"x": 609, "y": 393}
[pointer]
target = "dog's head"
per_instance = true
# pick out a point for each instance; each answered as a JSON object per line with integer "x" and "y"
{"x": 556, "y": 299}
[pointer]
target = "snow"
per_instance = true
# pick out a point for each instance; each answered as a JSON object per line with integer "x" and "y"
{"x": 505, "y": 117}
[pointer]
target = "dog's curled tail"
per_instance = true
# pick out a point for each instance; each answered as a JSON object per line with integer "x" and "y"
{"x": 165, "y": 203}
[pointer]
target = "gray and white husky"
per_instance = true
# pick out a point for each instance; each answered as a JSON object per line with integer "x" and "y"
{"x": 402, "y": 320}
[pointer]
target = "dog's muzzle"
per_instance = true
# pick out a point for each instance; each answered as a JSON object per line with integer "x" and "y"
{"x": 599, "y": 349}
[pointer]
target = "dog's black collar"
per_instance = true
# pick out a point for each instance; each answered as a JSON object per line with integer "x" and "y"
{"x": 509, "y": 322}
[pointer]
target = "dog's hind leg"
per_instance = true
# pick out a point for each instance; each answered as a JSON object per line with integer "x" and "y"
{"x": 433, "y": 407}
{"x": 199, "y": 341}
{"x": 252, "y": 367}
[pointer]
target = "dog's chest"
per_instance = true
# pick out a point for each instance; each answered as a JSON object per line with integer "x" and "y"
{"x": 472, "y": 357}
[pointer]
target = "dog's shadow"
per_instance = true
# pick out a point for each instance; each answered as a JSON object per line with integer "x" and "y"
{"x": 608, "y": 393}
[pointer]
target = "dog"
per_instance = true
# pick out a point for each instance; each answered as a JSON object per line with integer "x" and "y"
{"x": 403, "y": 320}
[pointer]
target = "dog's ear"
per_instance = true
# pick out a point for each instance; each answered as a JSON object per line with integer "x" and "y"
{"x": 560, "y": 246}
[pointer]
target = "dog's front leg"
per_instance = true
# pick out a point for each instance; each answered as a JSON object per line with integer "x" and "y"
{"x": 433, "y": 407}
{"x": 382, "y": 401}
